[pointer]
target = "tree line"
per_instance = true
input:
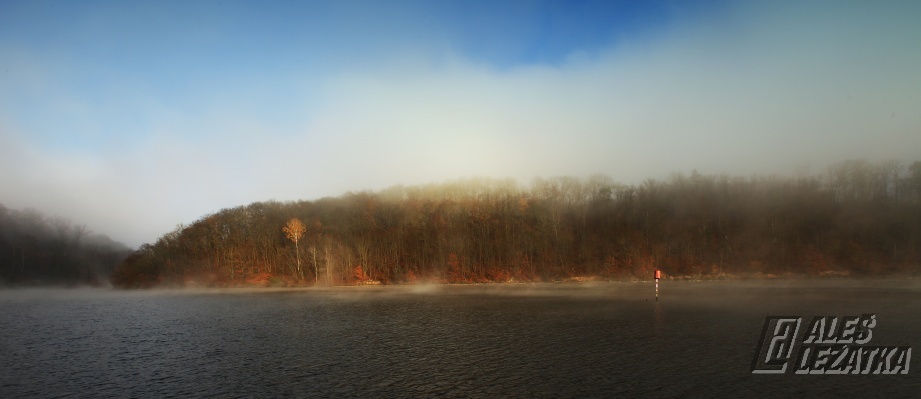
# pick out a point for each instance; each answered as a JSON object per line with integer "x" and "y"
{"x": 857, "y": 218}
{"x": 37, "y": 249}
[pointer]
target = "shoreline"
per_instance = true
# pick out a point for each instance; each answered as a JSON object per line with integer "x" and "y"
{"x": 755, "y": 277}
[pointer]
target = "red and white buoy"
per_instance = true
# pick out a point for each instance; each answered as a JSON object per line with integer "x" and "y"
{"x": 658, "y": 276}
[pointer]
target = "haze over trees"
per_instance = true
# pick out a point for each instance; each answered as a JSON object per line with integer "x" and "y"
{"x": 857, "y": 218}
{"x": 36, "y": 249}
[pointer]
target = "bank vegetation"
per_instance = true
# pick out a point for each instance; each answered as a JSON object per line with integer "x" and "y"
{"x": 857, "y": 218}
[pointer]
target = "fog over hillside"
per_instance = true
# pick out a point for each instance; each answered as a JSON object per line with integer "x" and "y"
{"x": 36, "y": 249}
{"x": 134, "y": 118}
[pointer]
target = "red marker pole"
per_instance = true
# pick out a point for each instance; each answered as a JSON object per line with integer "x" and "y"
{"x": 658, "y": 275}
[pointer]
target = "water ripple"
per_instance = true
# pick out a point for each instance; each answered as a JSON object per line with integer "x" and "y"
{"x": 447, "y": 343}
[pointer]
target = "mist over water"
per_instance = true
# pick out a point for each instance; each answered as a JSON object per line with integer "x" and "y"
{"x": 562, "y": 340}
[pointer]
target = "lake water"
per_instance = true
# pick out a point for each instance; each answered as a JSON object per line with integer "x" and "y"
{"x": 525, "y": 341}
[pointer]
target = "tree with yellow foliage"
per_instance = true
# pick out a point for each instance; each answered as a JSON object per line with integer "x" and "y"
{"x": 294, "y": 230}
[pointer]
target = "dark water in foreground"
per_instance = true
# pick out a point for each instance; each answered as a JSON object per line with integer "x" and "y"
{"x": 474, "y": 341}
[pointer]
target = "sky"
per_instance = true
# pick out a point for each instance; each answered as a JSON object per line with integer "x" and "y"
{"x": 132, "y": 116}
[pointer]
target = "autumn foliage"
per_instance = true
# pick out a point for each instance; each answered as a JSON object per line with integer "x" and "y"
{"x": 857, "y": 218}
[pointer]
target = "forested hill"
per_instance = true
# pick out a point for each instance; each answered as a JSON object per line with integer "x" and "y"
{"x": 39, "y": 250}
{"x": 857, "y": 218}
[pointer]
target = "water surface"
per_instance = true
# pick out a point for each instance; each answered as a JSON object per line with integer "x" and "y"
{"x": 435, "y": 341}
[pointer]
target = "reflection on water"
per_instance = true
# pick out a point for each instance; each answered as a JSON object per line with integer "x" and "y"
{"x": 467, "y": 341}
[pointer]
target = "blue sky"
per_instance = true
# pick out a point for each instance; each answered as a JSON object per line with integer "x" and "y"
{"x": 133, "y": 117}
